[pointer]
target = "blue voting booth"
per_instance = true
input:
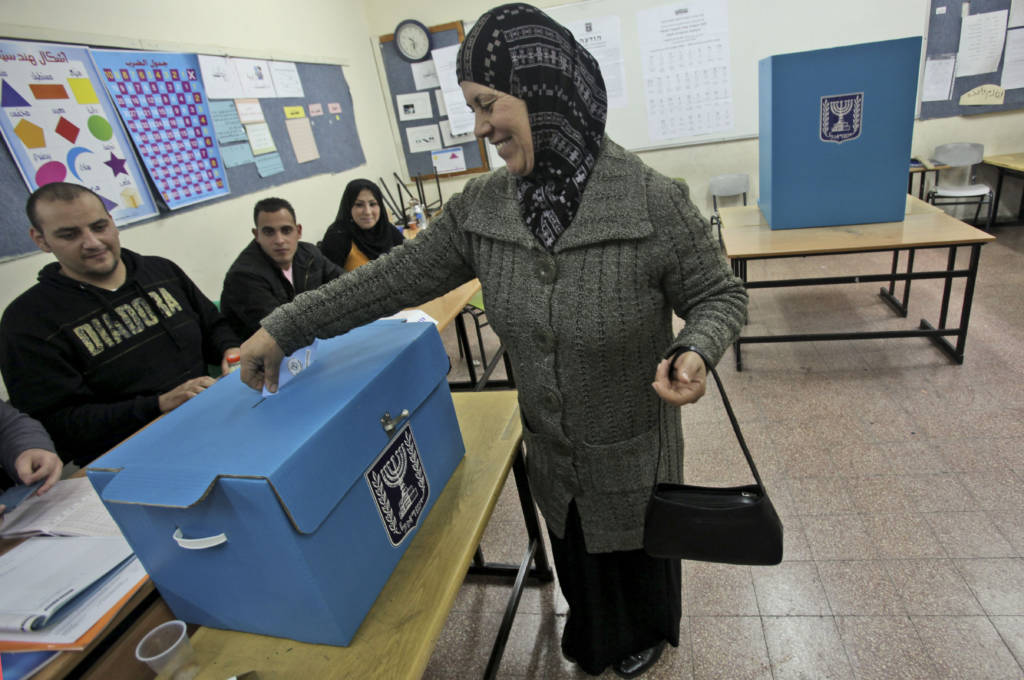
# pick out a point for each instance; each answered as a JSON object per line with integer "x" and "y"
{"x": 835, "y": 133}
{"x": 285, "y": 516}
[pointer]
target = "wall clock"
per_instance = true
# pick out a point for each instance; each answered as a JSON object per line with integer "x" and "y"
{"x": 413, "y": 40}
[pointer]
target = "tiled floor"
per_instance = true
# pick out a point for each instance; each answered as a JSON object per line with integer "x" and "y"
{"x": 899, "y": 477}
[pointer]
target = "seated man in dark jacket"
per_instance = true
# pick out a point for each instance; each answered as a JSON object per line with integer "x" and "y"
{"x": 108, "y": 339}
{"x": 272, "y": 269}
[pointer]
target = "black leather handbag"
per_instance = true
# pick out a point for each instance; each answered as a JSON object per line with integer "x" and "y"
{"x": 735, "y": 525}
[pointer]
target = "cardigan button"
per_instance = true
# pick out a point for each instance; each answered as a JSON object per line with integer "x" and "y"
{"x": 552, "y": 401}
{"x": 546, "y": 269}
{"x": 545, "y": 339}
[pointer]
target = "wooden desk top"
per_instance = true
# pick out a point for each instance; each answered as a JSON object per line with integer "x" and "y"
{"x": 927, "y": 165}
{"x": 398, "y": 635}
{"x": 445, "y": 308}
{"x": 746, "y": 234}
{"x": 1012, "y": 161}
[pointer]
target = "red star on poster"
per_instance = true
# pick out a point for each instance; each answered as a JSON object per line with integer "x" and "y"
{"x": 116, "y": 164}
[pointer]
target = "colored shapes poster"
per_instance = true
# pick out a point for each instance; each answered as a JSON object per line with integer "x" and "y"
{"x": 162, "y": 101}
{"x": 59, "y": 130}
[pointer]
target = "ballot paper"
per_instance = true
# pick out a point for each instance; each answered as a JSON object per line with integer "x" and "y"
{"x": 70, "y": 508}
{"x": 45, "y": 574}
{"x": 292, "y": 365}
{"x": 412, "y": 316}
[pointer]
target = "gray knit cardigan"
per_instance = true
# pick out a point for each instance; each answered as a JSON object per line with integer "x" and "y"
{"x": 584, "y": 326}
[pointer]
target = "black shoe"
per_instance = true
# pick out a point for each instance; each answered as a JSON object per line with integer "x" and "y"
{"x": 635, "y": 664}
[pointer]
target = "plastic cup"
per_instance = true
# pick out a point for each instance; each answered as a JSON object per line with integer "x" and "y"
{"x": 167, "y": 650}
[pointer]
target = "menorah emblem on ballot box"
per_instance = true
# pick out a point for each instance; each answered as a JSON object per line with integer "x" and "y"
{"x": 841, "y": 116}
{"x": 399, "y": 486}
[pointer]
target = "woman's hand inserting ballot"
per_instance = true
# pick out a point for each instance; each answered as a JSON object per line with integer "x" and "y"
{"x": 261, "y": 361}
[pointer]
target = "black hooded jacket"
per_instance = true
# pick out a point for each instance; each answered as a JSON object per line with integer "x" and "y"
{"x": 255, "y": 286}
{"x": 90, "y": 364}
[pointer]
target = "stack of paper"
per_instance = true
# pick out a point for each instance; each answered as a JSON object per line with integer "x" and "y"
{"x": 59, "y": 590}
{"x": 70, "y": 508}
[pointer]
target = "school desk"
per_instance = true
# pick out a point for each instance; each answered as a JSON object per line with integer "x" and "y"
{"x": 112, "y": 655}
{"x": 1011, "y": 164}
{"x": 747, "y": 236}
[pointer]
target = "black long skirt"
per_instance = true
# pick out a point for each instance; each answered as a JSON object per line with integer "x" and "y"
{"x": 620, "y": 603}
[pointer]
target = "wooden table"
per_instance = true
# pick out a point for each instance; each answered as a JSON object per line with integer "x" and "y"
{"x": 1008, "y": 164}
{"x": 449, "y": 306}
{"x": 112, "y": 655}
{"x": 747, "y": 236}
{"x": 398, "y": 635}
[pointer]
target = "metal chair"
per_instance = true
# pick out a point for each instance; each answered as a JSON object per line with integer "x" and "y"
{"x": 956, "y": 186}
{"x": 724, "y": 186}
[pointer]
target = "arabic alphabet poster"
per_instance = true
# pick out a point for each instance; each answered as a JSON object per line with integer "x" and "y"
{"x": 60, "y": 128}
{"x": 163, "y": 103}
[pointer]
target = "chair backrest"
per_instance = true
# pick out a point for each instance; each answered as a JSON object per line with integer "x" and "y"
{"x": 729, "y": 185}
{"x": 959, "y": 154}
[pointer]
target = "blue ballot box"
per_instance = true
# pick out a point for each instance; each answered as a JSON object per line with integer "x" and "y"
{"x": 835, "y": 131}
{"x": 286, "y": 515}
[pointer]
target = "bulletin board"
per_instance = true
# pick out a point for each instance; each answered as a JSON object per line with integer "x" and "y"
{"x": 400, "y": 81}
{"x": 325, "y": 91}
{"x": 945, "y": 21}
{"x": 335, "y": 133}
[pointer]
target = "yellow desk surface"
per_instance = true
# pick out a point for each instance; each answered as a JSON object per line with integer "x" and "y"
{"x": 398, "y": 635}
{"x": 1012, "y": 161}
{"x": 746, "y": 234}
{"x": 444, "y": 309}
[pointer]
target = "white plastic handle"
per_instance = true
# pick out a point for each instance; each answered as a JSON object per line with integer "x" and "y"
{"x": 198, "y": 543}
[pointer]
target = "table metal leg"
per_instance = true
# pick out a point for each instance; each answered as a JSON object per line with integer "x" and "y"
{"x": 895, "y": 269}
{"x": 535, "y": 554}
{"x": 739, "y": 267}
{"x": 965, "y": 308}
{"x": 995, "y": 198}
{"x": 937, "y": 334}
{"x": 460, "y": 328}
{"x": 957, "y": 353}
{"x": 947, "y": 286}
{"x": 889, "y": 295}
{"x": 542, "y": 569}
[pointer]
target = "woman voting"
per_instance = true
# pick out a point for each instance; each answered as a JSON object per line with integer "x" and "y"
{"x": 583, "y": 253}
{"x": 361, "y": 231}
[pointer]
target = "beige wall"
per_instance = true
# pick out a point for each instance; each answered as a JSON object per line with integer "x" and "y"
{"x": 204, "y": 241}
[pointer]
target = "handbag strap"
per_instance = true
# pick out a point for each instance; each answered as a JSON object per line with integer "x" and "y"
{"x": 672, "y": 356}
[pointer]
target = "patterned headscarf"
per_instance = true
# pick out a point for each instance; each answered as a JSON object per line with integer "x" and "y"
{"x": 520, "y": 50}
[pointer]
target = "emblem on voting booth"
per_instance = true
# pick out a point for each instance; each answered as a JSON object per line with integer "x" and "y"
{"x": 841, "y": 116}
{"x": 398, "y": 484}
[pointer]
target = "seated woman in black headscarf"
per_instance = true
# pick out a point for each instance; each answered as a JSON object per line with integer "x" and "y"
{"x": 361, "y": 231}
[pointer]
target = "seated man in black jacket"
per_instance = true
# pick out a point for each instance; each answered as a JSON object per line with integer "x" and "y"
{"x": 272, "y": 269}
{"x": 108, "y": 339}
